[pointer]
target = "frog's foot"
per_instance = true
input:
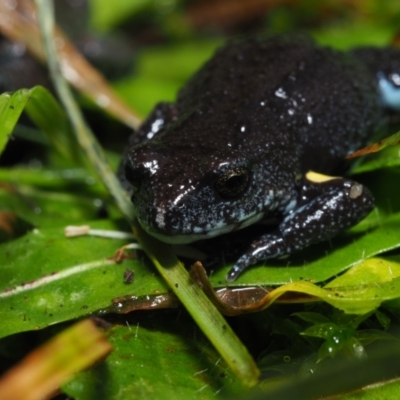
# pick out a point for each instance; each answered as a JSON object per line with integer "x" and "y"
{"x": 259, "y": 250}
{"x": 328, "y": 207}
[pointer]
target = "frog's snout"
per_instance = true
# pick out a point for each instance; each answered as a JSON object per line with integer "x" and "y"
{"x": 142, "y": 163}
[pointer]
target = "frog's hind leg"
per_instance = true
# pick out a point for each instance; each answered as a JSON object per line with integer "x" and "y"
{"x": 326, "y": 207}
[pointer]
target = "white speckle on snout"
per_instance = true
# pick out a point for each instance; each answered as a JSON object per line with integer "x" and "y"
{"x": 152, "y": 166}
{"x": 280, "y": 93}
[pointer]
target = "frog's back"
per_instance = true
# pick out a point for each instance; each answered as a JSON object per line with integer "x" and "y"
{"x": 326, "y": 101}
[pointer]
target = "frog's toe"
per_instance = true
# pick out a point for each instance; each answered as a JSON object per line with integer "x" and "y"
{"x": 236, "y": 270}
{"x": 268, "y": 246}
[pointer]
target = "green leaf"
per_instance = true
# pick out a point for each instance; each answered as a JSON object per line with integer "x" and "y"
{"x": 323, "y": 331}
{"x": 67, "y": 179}
{"x": 46, "y": 113}
{"x": 360, "y": 32}
{"x": 318, "y": 263}
{"x": 43, "y": 208}
{"x": 47, "y": 278}
{"x": 344, "y": 342}
{"x": 367, "y": 336}
{"x": 363, "y": 299}
{"x": 105, "y": 14}
{"x": 11, "y": 106}
{"x": 383, "y": 319}
{"x": 371, "y": 271}
{"x": 157, "y": 359}
{"x": 392, "y": 140}
{"x": 352, "y": 299}
{"x": 312, "y": 317}
{"x": 386, "y": 158}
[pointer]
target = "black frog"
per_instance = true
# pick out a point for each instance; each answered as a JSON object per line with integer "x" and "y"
{"x": 253, "y": 135}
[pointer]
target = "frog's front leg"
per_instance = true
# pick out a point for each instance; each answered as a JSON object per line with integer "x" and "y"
{"x": 325, "y": 207}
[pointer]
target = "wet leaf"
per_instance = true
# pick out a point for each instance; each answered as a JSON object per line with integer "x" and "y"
{"x": 341, "y": 342}
{"x": 323, "y": 331}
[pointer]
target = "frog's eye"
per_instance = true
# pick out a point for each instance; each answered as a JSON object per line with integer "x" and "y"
{"x": 233, "y": 182}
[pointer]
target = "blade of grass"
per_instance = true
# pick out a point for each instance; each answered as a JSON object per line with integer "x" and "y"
{"x": 207, "y": 317}
{"x": 85, "y": 136}
{"x": 199, "y": 306}
{"x": 43, "y": 370}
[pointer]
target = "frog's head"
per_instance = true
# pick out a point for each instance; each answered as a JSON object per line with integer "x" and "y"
{"x": 183, "y": 194}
